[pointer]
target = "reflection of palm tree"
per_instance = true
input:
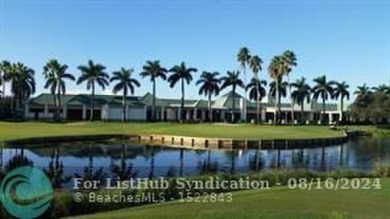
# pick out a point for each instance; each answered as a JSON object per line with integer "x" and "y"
{"x": 255, "y": 162}
{"x": 123, "y": 171}
{"x": 55, "y": 170}
{"x": 206, "y": 166}
{"x": 89, "y": 171}
{"x": 19, "y": 160}
{"x": 181, "y": 162}
{"x": 151, "y": 173}
{"x": 232, "y": 154}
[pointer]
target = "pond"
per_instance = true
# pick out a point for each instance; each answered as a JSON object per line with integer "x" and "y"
{"x": 82, "y": 159}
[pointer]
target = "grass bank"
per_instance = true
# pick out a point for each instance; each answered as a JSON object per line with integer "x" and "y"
{"x": 12, "y": 131}
{"x": 278, "y": 202}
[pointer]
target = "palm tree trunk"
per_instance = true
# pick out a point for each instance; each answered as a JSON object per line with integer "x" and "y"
{"x": 55, "y": 103}
{"x": 58, "y": 103}
{"x": 182, "y": 102}
{"x": 124, "y": 105}
{"x": 210, "y": 112}
{"x": 92, "y": 102}
{"x": 257, "y": 102}
{"x": 244, "y": 102}
{"x": 292, "y": 101}
{"x": 154, "y": 100}
{"x": 234, "y": 103}
{"x": 276, "y": 102}
{"x": 342, "y": 108}
{"x": 302, "y": 119}
{"x": 323, "y": 110}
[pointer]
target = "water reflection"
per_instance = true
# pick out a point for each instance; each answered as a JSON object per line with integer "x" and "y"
{"x": 124, "y": 161}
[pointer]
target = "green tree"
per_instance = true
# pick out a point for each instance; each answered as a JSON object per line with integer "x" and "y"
{"x": 183, "y": 74}
{"x": 276, "y": 70}
{"x": 257, "y": 93}
{"x": 301, "y": 92}
{"x": 244, "y": 58}
{"x": 209, "y": 86}
{"x": 383, "y": 88}
{"x": 323, "y": 89}
{"x": 360, "y": 107}
{"x": 22, "y": 83}
{"x": 126, "y": 83}
{"x": 93, "y": 74}
{"x": 5, "y": 68}
{"x": 341, "y": 91}
{"x": 290, "y": 61}
{"x": 232, "y": 80}
{"x": 55, "y": 74}
{"x": 154, "y": 70}
{"x": 255, "y": 65}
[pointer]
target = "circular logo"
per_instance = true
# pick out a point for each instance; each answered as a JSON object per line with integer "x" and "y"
{"x": 26, "y": 192}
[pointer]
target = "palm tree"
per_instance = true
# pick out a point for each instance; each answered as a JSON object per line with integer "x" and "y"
{"x": 280, "y": 86}
{"x": 323, "y": 89}
{"x": 341, "y": 91}
{"x": 154, "y": 70}
{"x": 183, "y": 74}
{"x": 55, "y": 75}
{"x": 255, "y": 64}
{"x": 22, "y": 83}
{"x": 209, "y": 86}
{"x": 362, "y": 91}
{"x": 244, "y": 58}
{"x": 276, "y": 70}
{"x": 257, "y": 93}
{"x": 232, "y": 79}
{"x": 383, "y": 88}
{"x": 301, "y": 93}
{"x": 125, "y": 83}
{"x": 91, "y": 74}
{"x": 5, "y": 67}
{"x": 291, "y": 61}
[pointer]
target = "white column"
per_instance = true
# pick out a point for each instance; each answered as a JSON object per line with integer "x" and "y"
{"x": 104, "y": 112}
{"x": 178, "y": 115}
{"x": 64, "y": 112}
{"x": 195, "y": 114}
{"x": 243, "y": 109}
{"x": 145, "y": 112}
{"x": 162, "y": 113}
{"x": 84, "y": 115}
{"x": 188, "y": 115}
{"x": 262, "y": 114}
{"x": 46, "y": 111}
{"x": 203, "y": 115}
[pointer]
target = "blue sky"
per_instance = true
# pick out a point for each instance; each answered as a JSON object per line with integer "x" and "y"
{"x": 346, "y": 40}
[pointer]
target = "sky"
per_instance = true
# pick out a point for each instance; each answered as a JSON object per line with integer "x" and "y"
{"x": 344, "y": 40}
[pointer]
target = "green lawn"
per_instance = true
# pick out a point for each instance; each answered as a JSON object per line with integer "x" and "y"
{"x": 10, "y": 131}
{"x": 274, "y": 203}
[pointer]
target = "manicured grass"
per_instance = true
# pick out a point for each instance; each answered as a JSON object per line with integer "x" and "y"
{"x": 274, "y": 203}
{"x": 10, "y": 131}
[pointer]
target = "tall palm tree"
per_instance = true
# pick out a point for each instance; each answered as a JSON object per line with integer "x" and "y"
{"x": 22, "y": 83}
{"x": 291, "y": 61}
{"x": 280, "y": 86}
{"x": 5, "y": 68}
{"x": 323, "y": 89}
{"x": 55, "y": 74}
{"x": 154, "y": 70}
{"x": 91, "y": 74}
{"x": 257, "y": 93}
{"x": 362, "y": 91}
{"x": 255, "y": 65}
{"x": 276, "y": 70}
{"x": 232, "y": 79}
{"x": 341, "y": 91}
{"x": 125, "y": 84}
{"x": 183, "y": 74}
{"x": 244, "y": 58}
{"x": 301, "y": 92}
{"x": 209, "y": 85}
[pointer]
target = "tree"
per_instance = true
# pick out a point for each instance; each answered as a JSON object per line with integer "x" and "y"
{"x": 383, "y": 88}
{"x": 256, "y": 92}
{"x": 5, "y": 68}
{"x": 341, "y": 91}
{"x": 244, "y": 58}
{"x": 209, "y": 85}
{"x": 255, "y": 65}
{"x": 126, "y": 83}
{"x": 323, "y": 89}
{"x": 232, "y": 79}
{"x": 290, "y": 61}
{"x": 301, "y": 92}
{"x": 280, "y": 86}
{"x": 276, "y": 70}
{"x": 362, "y": 102}
{"x": 55, "y": 74}
{"x": 91, "y": 74}
{"x": 22, "y": 83}
{"x": 154, "y": 70}
{"x": 183, "y": 74}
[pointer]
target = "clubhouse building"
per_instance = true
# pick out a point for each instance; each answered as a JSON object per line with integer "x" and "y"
{"x": 139, "y": 108}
